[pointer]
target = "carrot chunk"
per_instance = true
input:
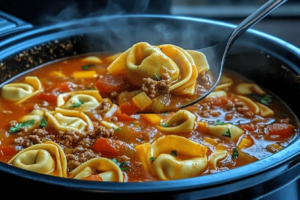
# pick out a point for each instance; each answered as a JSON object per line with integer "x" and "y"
{"x": 109, "y": 147}
{"x": 92, "y": 178}
{"x": 284, "y": 130}
{"x": 109, "y": 83}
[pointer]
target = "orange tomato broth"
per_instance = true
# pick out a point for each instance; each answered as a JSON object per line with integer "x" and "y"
{"x": 135, "y": 130}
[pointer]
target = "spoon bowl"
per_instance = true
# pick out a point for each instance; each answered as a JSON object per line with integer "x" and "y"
{"x": 216, "y": 54}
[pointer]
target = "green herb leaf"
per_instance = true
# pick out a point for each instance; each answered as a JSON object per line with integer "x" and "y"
{"x": 235, "y": 153}
{"x": 78, "y": 104}
{"x": 86, "y": 67}
{"x": 90, "y": 88}
{"x": 174, "y": 153}
{"x": 264, "y": 99}
{"x": 164, "y": 125}
{"x": 43, "y": 122}
{"x": 124, "y": 168}
{"x": 152, "y": 159}
{"x": 218, "y": 122}
{"x": 157, "y": 78}
{"x": 114, "y": 160}
{"x": 227, "y": 133}
{"x": 18, "y": 127}
{"x": 117, "y": 129}
{"x": 123, "y": 164}
{"x": 165, "y": 114}
{"x": 132, "y": 124}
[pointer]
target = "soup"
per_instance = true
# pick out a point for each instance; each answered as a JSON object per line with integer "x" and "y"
{"x": 57, "y": 120}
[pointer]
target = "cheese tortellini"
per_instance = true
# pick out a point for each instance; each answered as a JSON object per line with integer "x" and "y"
{"x": 189, "y": 160}
{"x": 105, "y": 168}
{"x": 20, "y": 92}
{"x": 45, "y": 158}
{"x": 63, "y": 120}
{"x": 36, "y": 115}
{"x": 184, "y": 119}
{"x": 80, "y": 100}
{"x": 143, "y": 60}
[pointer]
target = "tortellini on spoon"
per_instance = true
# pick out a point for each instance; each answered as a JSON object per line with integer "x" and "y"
{"x": 80, "y": 100}
{"x": 143, "y": 60}
{"x": 63, "y": 120}
{"x": 20, "y": 92}
{"x": 104, "y": 167}
{"x": 45, "y": 158}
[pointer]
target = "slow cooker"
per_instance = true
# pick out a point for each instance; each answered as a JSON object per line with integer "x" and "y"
{"x": 267, "y": 60}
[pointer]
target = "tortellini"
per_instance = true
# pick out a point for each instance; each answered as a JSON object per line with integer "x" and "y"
{"x": 247, "y": 88}
{"x": 226, "y": 131}
{"x": 20, "y": 92}
{"x": 105, "y": 168}
{"x": 219, "y": 154}
{"x": 225, "y": 82}
{"x": 36, "y": 115}
{"x": 189, "y": 160}
{"x": 143, "y": 60}
{"x": 80, "y": 100}
{"x": 46, "y": 158}
{"x": 63, "y": 120}
{"x": 184, "y": 119}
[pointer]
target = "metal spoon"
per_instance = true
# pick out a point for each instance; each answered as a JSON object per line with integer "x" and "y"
{"x": 216, "y": 55}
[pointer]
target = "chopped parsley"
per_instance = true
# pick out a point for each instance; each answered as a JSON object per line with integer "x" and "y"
{"x": 78, "y": 104}
{"x": 18, "y": 127}
{"x": 117, "y": 129}
{"x": 164, "y": 125}
{"x": 174, "y": 153}
{"x": 132, "y": 124}
{"x": 157, "y": 78}
{"x": 90, "y": 88}
{"x": 86, "y": 67}
{"x": 235, "y": 153}
{"x": 122, "y": 165}
{"x": 218, "y": 122}
{"x": 165, "y": 114}
{"x": 264, "y": 99}
{"x": 227, "y": 133}
{"x": 152, "y": 158}
{"x": 43, "y": 122}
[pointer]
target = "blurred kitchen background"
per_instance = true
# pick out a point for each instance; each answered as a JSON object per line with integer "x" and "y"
{"x": 284, "y": 22}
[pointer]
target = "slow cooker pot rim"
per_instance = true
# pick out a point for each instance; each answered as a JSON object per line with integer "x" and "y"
{"x": 239, "y": 173}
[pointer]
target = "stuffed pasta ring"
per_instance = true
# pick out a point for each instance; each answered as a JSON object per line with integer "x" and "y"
{"x": 45, "y": 158}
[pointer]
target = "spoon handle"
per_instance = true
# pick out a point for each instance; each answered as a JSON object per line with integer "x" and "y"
{"x": 252, "y": 19}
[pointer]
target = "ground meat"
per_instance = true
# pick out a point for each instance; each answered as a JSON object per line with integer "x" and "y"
{"x": 155, "y": 88}
{"x": 286, "y": 120}
{"x": 113, "y": 94}
{"x": 78, "y": 156}
{"x": 103, "y": 107}
{"x": 27, "y": 138}
{"x": 101, "y": 131}
{"x": 13, "y": 123}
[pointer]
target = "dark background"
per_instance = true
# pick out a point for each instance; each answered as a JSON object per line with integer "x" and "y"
{"x": 284, "y": 22}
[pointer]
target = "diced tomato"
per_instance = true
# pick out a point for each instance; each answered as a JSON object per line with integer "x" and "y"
{"x": 7, "y": 152}
{"x": 65, "y": 86}
{"x": 109, "y": 147}
{"x": 249, "y": 127}
{"x": 49, "y": 97}
{"x": 284, "y": 130}
{"x": 123, "y": 117}
{"x": 129, "y": 108}
{"x": 92, "y": 178}
{"x": 109, "y": 83}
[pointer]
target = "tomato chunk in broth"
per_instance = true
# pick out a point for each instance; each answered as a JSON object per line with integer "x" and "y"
{"x": 77, "y": 116}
